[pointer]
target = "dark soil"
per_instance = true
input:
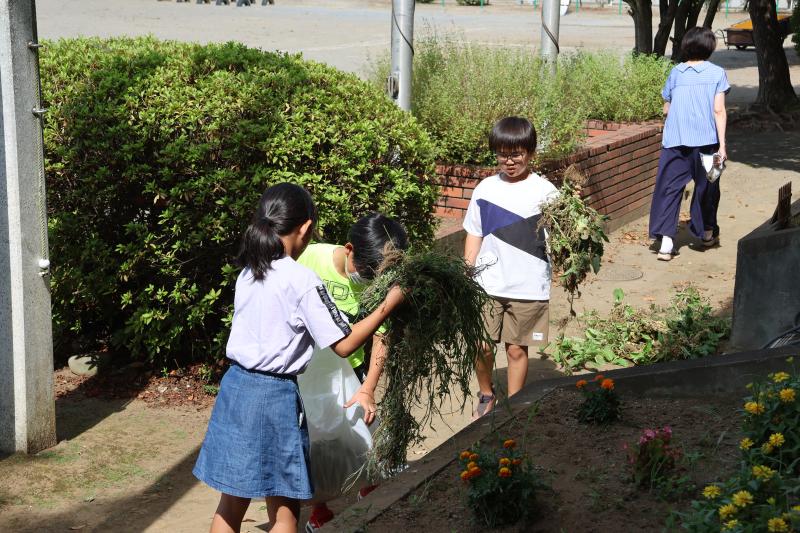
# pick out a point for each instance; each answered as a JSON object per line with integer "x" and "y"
{"x": 585, "y": 468}
{"x": 183, "y": 387}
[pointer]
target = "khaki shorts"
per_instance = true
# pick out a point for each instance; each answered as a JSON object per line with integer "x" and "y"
{"x": 520, "y": 322}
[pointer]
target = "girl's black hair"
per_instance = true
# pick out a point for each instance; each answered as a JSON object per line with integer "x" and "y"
{"x": 511, "y": 133}
{"x": 280, "y": 210}
{"x": 369, "y": 237}
{"x": 698, "y": 44}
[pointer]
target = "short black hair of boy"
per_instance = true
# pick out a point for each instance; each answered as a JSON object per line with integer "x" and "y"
{"x": 513, "y": 133}
{"x": 698, "y": 44}
{"x": 369, "y": 237}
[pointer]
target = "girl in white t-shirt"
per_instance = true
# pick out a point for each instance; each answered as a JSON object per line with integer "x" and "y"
{"x": 256, "y": 445}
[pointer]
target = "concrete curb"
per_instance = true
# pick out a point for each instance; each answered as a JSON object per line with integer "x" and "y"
{"x": 723, "y": 374}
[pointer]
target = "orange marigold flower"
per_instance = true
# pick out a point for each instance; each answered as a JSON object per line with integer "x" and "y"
{"x": 504, "y": 472}
{"x": 471, "y": 465}
{"x": 465, "y": 454}
{"x": 465, "y": 476}
{"x": 509, "y": 443}
{"x": 516, "y": 462}
{"x": 474, "y": 472}
{"x": 607, "y": 384}
{"x": 581, "y": 383}
{"x": 599, "y": 377}
{"x": 473, "y": 457}
{"x": 505, "y": 461}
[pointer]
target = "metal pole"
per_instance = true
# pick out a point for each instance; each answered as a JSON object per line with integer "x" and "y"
{"x": 551, "y": 17}
{"x": 27, "y": 405}
{"x": 399, "y": 84}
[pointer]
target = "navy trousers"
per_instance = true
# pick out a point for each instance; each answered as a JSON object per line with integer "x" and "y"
{"x": 677, "y": 166}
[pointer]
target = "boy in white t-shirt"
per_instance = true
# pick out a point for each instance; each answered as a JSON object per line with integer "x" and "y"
{"x": 503, "y": 240}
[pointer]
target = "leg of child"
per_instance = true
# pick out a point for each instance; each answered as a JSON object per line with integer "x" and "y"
{"x": 517, "y": 367}
{"x": 283, "y": 514}
{"x": 483, "y": 368}
{"x": 229, "y": 515}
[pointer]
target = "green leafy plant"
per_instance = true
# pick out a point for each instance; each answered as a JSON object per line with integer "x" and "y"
{"x": 575, "y": 235}
{"x": 658, "y": 464}
{"x": 764, "y": 494}
{"x": 686, "y": 329}
{"x": 432, "y": 343}
{"x": 460, "y": 89}
{"x": 501, "y": 484}
{"x": 156, "y": 154}
{"x": 473, "y": 2}
{"x": 600, "y": 404}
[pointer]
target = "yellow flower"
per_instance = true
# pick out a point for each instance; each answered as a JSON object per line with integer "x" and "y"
{"x": 711, "y": 492}
{"x": 771, "y": 500}
{"x": 465, "y": 475}
{"x": 763, "y": 472}
{"x": 505, "y": 461}
{"x": 730, "y": 524}
{"x": 767, "y": 448}
{"x": 787, "y": 395}
{"x": 471, "y": 465}
{"x": 790, "y": 359}
{"x": 745, "y": 443}
{"x": 754, "y": 408}
{"x": 777, "y": 440}
{"x": 796, "y": 508}
{"x": 742, "y": 498}
{"x": 778, "y": 377}
{"x": 504, "y": 472}
{"x": 777, "y": 524}
{"x": 465, "y": 454}
{"x": 727, "y": 510}
{"x": 748, "y": 386}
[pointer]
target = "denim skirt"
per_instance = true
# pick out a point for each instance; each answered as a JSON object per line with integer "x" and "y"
{"x": 256, "y": 445}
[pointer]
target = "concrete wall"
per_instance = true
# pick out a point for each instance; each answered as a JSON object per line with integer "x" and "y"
{"x": 766, "y": 297}
{"x": 620, "y": 161}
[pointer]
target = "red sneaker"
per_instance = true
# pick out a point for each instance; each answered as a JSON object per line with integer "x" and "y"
{"x": 320, "y": 515}
{"x": 362, "y": 493}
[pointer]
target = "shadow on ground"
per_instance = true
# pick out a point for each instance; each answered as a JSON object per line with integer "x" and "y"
{"x": 131, "y": 514}
{"x": 779, "y": 152}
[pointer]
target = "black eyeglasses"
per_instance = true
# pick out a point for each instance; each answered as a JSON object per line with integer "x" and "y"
{"x": 513, "y": 156}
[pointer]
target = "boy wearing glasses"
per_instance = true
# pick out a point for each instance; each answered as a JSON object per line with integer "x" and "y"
{"x": 504, "y": 242}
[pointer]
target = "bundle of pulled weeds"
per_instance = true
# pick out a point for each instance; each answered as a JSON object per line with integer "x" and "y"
{"x": 433, "y": 340}
{"x": 575, "y": 234}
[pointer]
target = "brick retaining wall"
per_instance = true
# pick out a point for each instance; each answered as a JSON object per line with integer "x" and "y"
{"x": 620, "y": 161}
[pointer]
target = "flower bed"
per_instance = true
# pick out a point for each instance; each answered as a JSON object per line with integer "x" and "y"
{"x": 591, "y": 484}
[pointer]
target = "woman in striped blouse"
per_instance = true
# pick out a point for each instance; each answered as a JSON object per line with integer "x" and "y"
{"x": 694, "y": 105}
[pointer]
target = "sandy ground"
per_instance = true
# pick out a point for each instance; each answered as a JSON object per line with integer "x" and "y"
{"x": 123, "y": 466}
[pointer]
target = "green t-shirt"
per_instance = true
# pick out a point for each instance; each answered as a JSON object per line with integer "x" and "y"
{"x": 345, "y": 293}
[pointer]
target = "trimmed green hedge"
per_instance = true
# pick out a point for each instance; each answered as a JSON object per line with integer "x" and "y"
{"x": 156, "y": 154}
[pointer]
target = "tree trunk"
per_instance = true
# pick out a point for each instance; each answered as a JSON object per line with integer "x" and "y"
{"x": 667, "y": 12}
{"x": 713, "y": 6}
{"x": 681, "y": 15}
{"x": 694, "y": 13}
{"x": 774, "y": 85}
{"x": 642, "y": 13}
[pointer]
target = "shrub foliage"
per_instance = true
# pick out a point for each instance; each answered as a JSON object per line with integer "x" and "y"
{"x": 156, "y": 154}
{"x": 460, "y": 89}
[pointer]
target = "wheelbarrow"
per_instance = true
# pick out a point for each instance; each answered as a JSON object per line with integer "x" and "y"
{"x": 740, "y": 35}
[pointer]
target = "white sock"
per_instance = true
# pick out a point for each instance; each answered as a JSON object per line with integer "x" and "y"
{"x": 666, "y": 245}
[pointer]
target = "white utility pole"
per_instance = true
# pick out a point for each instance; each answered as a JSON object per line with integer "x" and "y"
{"x": 551, "y": 17}
{"x": 399, "y": 83}
{"x": 27, "y": 407}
